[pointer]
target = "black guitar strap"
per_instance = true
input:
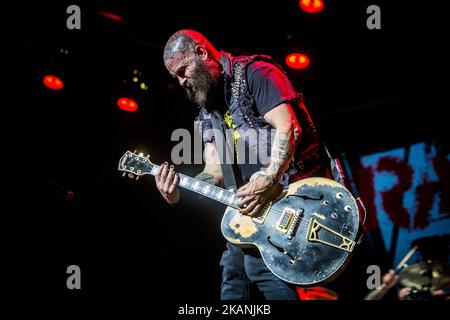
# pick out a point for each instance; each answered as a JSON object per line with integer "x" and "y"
{"x": 338, "y": 175}
{"x": 336, "y": 168}
{"x": 224, "y": 149}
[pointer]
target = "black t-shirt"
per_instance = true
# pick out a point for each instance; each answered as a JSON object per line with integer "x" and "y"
{"x": 269, "y": 86}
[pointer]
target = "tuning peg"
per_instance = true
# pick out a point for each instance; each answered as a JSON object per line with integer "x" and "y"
{"x": 137, "y": 178}
{"x": 130, "y": 175}
{"x": 124, "y": 174}
{"x": 135, "y": 150}
{"x": 148, "y": 156}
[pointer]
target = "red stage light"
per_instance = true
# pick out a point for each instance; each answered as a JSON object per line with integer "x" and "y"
{"x": 127, "y": 104}
{"x": 297, "y": 60}
{"x": 311, "y": 6}
{"x": 53, "y": 82}
{"x": 112, "y": 16}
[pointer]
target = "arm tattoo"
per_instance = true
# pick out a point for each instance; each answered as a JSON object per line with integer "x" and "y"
{"x": 206, "y": 177}
{"x": 283, "y": 149}
{"x": 281, "y": 146}
{"x": 263, "y": 174}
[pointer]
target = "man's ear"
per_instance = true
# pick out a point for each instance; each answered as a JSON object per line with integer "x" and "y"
{"x": 201, "y": 52}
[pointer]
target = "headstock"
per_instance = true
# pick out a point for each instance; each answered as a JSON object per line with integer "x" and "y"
{"x": 135, "y": 164}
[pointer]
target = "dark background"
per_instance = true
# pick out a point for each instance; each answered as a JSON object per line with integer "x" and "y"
{"x": 367, "y": 90}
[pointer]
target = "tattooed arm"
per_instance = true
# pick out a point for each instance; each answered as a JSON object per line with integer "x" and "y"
{"x": 252, "y": 195}
{"x": 287, "y": 134}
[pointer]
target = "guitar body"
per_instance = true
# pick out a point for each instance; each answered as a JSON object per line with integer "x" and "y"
{"x": 305, "y": 236}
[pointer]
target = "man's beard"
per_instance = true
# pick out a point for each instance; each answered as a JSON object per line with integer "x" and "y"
{"x": 204, "y": 89}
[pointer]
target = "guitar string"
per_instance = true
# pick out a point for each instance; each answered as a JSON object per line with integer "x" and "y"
{"x": 276, "y": 213}
{"x": 213, "y": 187}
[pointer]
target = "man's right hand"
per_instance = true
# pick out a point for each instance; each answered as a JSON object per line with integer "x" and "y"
{"x": 167, "y": 181}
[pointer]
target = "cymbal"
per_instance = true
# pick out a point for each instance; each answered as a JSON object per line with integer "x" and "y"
{"x": 432, "y": 275}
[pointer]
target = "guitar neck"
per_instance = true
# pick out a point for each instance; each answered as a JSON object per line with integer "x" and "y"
{"x": 205, "y": 189}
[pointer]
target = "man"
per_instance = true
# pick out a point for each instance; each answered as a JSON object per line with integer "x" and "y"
{"x": 258, "y": 102}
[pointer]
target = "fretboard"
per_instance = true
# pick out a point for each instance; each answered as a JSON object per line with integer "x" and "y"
{"x": 206, "y": 189}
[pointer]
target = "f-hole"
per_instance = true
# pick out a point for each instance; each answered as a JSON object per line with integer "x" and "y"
{"x": 282, "y": 250}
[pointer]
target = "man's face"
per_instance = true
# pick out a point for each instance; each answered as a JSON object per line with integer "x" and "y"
{"x": 199, "y": 78}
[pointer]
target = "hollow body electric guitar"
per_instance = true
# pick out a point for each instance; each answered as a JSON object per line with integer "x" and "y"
{"x": 305, "y": 235}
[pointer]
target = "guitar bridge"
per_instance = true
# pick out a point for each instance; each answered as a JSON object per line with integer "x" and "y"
{"x": 317, "y": 232}
{"x": 262, "y": 214}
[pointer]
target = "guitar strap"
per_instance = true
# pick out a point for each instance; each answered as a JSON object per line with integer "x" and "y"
{"x": 338, "y": 175}
{"x": 336, "y": 168}
{"x": 224, "y": 150}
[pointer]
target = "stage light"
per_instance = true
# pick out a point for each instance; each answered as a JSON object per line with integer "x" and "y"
{"x": 297, "y": 60}
{"x": 112, "y": 16}
{"x": 127, "y": 104}
{"x": 311, "y": 6}
{"x": 53, "y": 82}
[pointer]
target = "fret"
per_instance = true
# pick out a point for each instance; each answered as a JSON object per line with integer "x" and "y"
{"x": 196, "y": 185}
{"x": 224, "y": 196}
{"x": 212, "y": 192}
{"x": 184, "y": 181}
{"x": 233, "y": 196}
{"x": 154, "y": 169}
{"x": 219, "y": 194}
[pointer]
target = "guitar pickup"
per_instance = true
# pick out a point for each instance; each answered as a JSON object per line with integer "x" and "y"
{"x": 318, "y": 232}
{"x": 288, "y": 221}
